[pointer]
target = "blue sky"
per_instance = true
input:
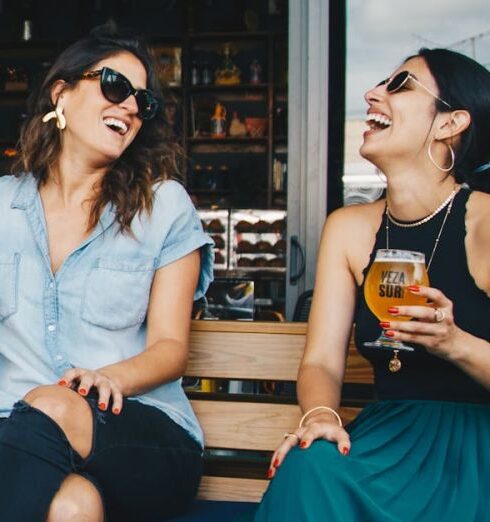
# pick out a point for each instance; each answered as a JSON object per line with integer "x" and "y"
{"x": 380, "y": 33}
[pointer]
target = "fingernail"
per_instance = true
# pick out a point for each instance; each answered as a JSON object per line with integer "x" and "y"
{"x": 303, "y": 444}
{"x": 393, "y": 309}
{"x": 384, "y": 324}
{"x": 116, "y": 411}
{"x": 345, "y": 450}
{"x": 414, "y": 288}
{"x": 82, "y": 391}
{"x": 102, "y": 406}
{"x": 276, "y": 463}
{"x": 269, "y": 473}
{"x": 62, "y": 382}
{"x": 390, "y": 333}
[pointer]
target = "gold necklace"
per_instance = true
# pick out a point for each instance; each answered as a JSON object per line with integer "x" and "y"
{"x": 395, "y": 364}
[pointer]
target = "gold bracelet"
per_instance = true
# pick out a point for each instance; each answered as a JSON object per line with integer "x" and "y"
{"x": 326, "y": 408}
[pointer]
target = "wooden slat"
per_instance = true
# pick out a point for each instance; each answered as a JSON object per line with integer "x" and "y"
{"x": 261, "y": 351}
{"x": 348, "y": 414}
{"x": 250, "y": 327}
{"x": 250, "y": 425}
{"x": 235, "y": 355}
{"x": 357, "y": 370}
{"x": 231, "y": 489}
{"x": 245, "y": 425}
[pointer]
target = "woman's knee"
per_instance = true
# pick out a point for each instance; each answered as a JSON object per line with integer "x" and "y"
{"x": 70, "y": 411}
{"x": 77, "y": 500}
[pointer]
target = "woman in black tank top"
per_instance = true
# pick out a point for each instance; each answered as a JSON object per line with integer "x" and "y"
{"x": 419, "y": 453}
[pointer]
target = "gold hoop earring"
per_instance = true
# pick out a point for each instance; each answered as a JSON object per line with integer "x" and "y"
{"x": 451, "y": 152}
{"x": 58, "y": 115}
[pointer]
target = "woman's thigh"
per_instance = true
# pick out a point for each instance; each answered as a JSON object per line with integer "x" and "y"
{"x": 145, "y": 465}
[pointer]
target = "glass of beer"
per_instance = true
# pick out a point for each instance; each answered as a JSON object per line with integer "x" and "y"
{"x": 387, "y": 284}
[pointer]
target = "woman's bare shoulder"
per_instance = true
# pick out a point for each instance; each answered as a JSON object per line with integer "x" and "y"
{"x": 352, "y": 230}
{"x": 478, "y": 238}
{"x": 357, "y": 218}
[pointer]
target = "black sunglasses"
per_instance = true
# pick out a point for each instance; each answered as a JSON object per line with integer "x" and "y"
{"x": 399, "y": 80}
{"x": 116, "y": 88}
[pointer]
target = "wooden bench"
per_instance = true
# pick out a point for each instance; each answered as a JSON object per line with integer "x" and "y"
{"x": 254, "y": 423}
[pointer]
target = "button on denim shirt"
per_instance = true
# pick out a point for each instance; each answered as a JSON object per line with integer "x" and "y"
{"x": 92, "y": 312}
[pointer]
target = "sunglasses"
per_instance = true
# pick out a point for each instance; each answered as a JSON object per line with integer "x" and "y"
{"x": 399, "y": 81}
{"x": 116, "y": 88}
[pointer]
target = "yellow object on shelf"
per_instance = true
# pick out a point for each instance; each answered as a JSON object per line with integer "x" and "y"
{"x": 208, "y": 385}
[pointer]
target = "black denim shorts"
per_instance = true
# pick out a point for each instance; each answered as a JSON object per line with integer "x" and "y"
{"x": 145, "y": 466}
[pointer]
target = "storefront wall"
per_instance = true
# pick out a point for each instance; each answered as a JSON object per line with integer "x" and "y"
{"x": 308, "y": 137}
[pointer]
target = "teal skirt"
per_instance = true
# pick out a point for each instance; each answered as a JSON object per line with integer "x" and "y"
{"x": 421, "y": 461}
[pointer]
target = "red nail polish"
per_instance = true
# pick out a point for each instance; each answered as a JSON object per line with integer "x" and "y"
{"x": 393, "y": 309}
{"x": 303, "y": 444}
{"x": 269, "y": 473}
{"x": 414, "y": 288}
{"x": 390, "y": 333}
{"x": 276, "y": 463}
{"x": 102, "y": 406}
{"x": 345, "y": 450}
{"x": 116, "y": 411}
{"x": 82, "y": 391}
{"x": 62, "y": 382}
{"x": 384, "y": 324}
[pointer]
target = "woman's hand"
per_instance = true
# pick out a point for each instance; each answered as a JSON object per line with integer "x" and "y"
{"x": 433, "y": 326}
{"x": 318, "y": 427}
{"x": 83, "y": 380}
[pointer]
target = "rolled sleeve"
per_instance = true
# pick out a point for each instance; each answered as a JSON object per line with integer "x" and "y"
{"x": 185, "y": 234}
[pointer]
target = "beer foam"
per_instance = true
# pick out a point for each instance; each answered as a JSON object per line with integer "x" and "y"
{"x": 395, "y": 261}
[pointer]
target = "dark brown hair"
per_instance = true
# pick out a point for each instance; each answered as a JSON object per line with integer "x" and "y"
{"x": 152, "y": 156}
{"x": 465, "y": 84}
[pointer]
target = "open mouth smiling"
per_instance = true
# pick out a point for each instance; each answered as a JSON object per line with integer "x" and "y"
{"x": 377, "y": 122}
{"x": 116, "y": 125}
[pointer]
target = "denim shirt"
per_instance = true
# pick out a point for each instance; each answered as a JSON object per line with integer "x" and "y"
{"x": 92, "y": 312}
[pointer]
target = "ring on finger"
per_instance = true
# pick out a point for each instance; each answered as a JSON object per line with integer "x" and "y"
{"x": 439, "y": 315}
{"x": 288, "y": 434}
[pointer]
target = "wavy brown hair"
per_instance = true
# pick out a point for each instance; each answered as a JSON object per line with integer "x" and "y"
{"x": 152, "y": 156}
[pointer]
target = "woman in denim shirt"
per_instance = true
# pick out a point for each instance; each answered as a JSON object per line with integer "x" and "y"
{"x": 101, "y": 255}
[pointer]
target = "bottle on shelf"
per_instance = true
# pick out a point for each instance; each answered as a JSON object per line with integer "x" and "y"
{"x": 195, "y": 76}
{"x": 206, "y": 74}
{"x": 218, "y": 121}
{"x": 255, "y": 72}
{"x": 237, "y": 128}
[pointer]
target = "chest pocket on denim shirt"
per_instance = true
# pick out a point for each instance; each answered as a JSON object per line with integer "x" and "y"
{"x": 9, "y": 272}
{"x": 117, "y": 292}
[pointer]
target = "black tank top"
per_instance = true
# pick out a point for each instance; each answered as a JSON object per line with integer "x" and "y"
{"x": 425, "y": 376}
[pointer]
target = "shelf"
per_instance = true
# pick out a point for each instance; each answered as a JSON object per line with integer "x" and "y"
{"x": 13, "y": 98}
{"x": 230, "y": 140}
{"x": 281, "y": 140}
{"x": 19, "y": 48}
{"x": 207, "y": 191}
{"x": 230, "y": 35}
{"x": 254, "y": 269}
{"x": 233, "y": 88}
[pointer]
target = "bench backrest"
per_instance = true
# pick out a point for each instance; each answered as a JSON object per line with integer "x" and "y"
{"x": 259, "y": 351}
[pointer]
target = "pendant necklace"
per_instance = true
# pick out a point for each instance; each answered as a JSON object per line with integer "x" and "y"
{"x": 395, "y": 364}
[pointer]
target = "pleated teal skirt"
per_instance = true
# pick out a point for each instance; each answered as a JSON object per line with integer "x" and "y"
{"x": 423, "y": 461}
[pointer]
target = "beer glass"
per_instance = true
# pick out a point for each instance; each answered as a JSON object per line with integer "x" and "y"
{"x": 387, "y": 284}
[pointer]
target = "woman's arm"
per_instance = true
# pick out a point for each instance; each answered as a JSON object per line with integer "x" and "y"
{"x": 165, "y": 356}
{"x": 168, "y": 326}
{"x": 346, "y": 243}
{"x": 330, "y": 322}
